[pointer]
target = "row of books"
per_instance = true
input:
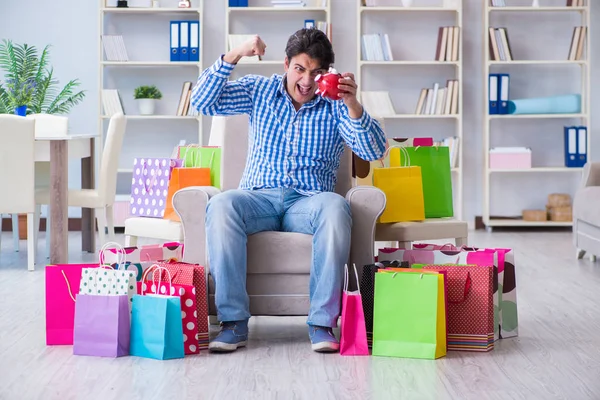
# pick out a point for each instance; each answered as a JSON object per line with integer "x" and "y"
{"x": 376, "y": 47}
{"x": 114, "y": 48}
{"x": 447, "y": 43}
{"x": 499, "y": 44}
{"x": 184, "y": 108}
{"x": 452, "y": 144}
{"x": 577, "y": 43}
{"x": 439, "y": 100}
{"x": 570, "y": 3}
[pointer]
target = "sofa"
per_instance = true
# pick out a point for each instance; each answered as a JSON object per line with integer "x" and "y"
{"x": 586, "y": 212}
{"x": 278, "y": 262}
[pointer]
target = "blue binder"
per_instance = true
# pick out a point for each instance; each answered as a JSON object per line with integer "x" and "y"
{"x": 174, "y": 41}
{"x": 233, "y": 3}
{"x": 493, "y": 93}
{"x": 194, "y": 41}
{"x": 184, "y": 40}
{"x": 503, "y": 93}
{"x": 575, "y": 146}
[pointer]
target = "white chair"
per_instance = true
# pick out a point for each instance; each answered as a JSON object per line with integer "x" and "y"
{"x": 17, "y": 174}
{"x": 172, "y": 231}
{"x": 103, "y": 197}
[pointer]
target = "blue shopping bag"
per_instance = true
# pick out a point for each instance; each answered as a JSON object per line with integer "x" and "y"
{"x": 156, "y": 330}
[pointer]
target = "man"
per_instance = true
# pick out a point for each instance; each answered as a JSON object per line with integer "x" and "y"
{"x": 295, "y": 142}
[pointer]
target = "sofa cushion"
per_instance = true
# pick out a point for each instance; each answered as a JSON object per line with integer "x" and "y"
{"x": 586, "y": 205}
{"x": 279, "y": 252}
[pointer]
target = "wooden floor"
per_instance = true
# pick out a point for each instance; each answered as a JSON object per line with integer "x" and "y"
{"x": 556, "y": 356}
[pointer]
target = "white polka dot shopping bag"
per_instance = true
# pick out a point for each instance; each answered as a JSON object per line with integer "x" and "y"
{"x": 150, "y": 186}
{"x": 108, "y": 281}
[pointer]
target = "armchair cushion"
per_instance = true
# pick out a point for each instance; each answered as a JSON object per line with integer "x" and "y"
{"x": 586, "y": 205}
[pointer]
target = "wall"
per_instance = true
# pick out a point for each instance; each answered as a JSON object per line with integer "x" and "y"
{"x": 72, "y": 29}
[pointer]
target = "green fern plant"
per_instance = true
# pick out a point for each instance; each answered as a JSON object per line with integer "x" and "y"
{"x": 30, "y": 81}
{"x": 147, "y": 92}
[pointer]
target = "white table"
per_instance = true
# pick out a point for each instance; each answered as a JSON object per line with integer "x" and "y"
{"x": 57, "y": 150}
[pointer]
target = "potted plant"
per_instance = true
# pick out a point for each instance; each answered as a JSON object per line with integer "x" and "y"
{"x": 30, "y": 86}
{"x": 146, "y": 97}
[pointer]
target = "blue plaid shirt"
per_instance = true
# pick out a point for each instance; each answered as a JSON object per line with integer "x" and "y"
{"x": 287, "y": 148}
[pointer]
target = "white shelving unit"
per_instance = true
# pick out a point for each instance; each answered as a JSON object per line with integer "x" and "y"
{"x": 436, "y": 14}
{"x": 274, "y": 25}
{"x": 146, "y": 34}
{"x": 521, "y": 66}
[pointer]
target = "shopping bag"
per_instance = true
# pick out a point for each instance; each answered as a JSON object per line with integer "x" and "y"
{"x": 209, "y": 156}
{"x": 156, "y": 330}
{"x": 139, "y": 259}
{"x": 505, "y": 293}
{"x": 62, "y": 286}
{"x": 101, "y": 326}
{"x": 188, "y": 308}
{"x": 436, "y": 175}
{"x": 409, "y": 314}
{"x": 193, "y": 275}
{"x": 367, "y": 284}
{"x": 353, "y": 332}
{"x": 149, "y": 186}
{"x": 470, "y": 306}
{"x": 182, "y": 178}
{"x": 443, "y": 257}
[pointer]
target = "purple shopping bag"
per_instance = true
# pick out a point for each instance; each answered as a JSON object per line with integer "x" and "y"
{"x": 102, "y": 326}
{"x": 150, "y": 186}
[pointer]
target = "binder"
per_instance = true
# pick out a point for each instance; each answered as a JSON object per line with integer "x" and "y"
{"x": 184, "y": 40}
{"x": 493, "y": 86}
{"x": 309, "y": 23}
{"x": 194, "y": 41}
{"x": 504, "y": 84}
{"x": 174, "y": 41}
{"x": 581, "y": 146}
{"x": 570, "y": 146}
{"x": 233, "y": 3}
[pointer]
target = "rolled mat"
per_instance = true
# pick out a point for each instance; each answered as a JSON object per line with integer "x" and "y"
{"x": 566, "y": 104}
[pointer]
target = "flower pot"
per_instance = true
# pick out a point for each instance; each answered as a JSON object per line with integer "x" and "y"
{"x": 146, "y": 106}
{"x": 21, "y": 110}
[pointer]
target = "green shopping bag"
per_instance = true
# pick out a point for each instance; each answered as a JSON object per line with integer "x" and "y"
{"x": 409, "y": 314}
{"x": 203, "y": 157}
{"x": 437, "y": 177}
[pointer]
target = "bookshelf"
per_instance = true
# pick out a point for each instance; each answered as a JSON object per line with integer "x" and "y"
{"x": 535, "y": 61}
{"x": 414, "y": 65}
{"x": 146, "y": 36}
{"x": 274, "y": 25}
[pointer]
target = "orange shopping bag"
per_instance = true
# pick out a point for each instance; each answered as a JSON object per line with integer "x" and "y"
{"x": 185, "y": 177}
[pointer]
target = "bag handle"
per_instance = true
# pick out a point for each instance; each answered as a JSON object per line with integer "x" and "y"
{"x": 154, "y": 268}
{"x": 346, "y": 278}
{"x": 147, "y": 187}
{"x": 467, "y": 290}
{"x": 402, "y": 150}
{"x": 119, "y": 251}
{"x": 68, "y": 285}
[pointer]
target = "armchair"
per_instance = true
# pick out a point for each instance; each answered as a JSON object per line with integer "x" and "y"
{"x": 278, "y": 262}
{"x": 586, "y": 212}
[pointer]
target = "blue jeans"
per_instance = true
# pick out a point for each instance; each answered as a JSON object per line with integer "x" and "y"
{"x": 233, "y": 215}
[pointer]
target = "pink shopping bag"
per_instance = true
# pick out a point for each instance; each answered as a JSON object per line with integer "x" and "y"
{"x": 62, "y": 286}
{"x": 353, "y": 341}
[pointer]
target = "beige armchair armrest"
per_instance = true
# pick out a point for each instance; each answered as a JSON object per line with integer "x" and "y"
{"x": 190, "y": 204}
{"x": 591, "y": 175}
{"x": 367, "y": 203}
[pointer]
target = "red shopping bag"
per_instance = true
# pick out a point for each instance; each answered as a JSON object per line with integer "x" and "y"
{"x": 353, "y": 341}
{"x": 62, "y": 286}
{"x": 470, "y": 306}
